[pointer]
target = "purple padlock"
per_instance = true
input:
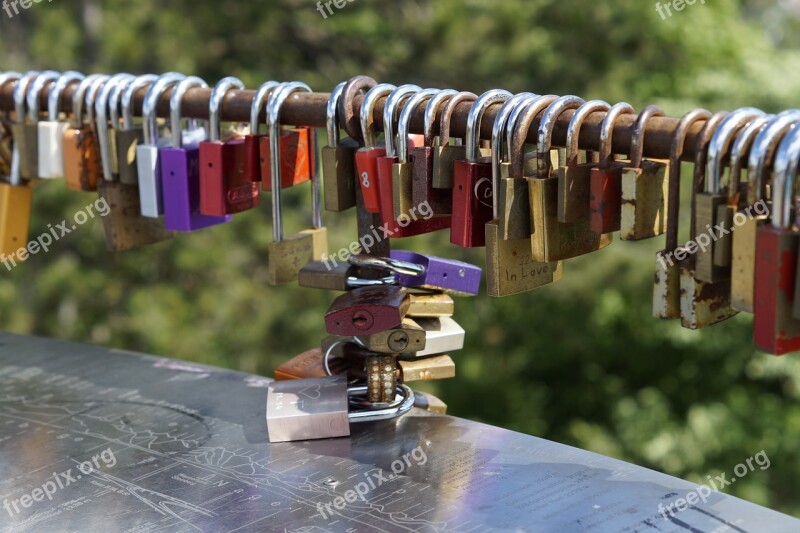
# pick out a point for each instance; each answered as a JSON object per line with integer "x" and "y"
{"x": 180, "y": 171}
{"x": 440, "y": 273}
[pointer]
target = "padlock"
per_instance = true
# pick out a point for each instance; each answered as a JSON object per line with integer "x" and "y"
{"x": 552, "y": 240}
{"x": 338, "y": 160}
{"x": 408, "y": 337}
{"x": 775, "y": 328}
{"x": 180, "y": 170}
{"x": 51, "y": 131}
{"x": 427, "y": 368}
{"x": 574, "y": 178}
{"x": 252, "y": 141}
{"x": 430, "y": 403}
{"x": 288, "y": 255}
{"x": 298, "y": 157}
{"x": 511, "y": 197}
{"x": 311, "y": 364}
{"x": 422, "y": 189}
{"x": 702, "y": 304}
{"x": 509, "y": 265}
{"x": 667, "y": 286}
{"x": 605, "y": 183}
{"x": 714, "y": 196}
{"x": 743, "y": 255}
{"x": 25, "y": 137}
{"x": 342, "y": 276}
{"x": 124, "y": 226}
{"x": 367, "y": 310}
{"x": 224, "y": 187}
{"x": 401, "y": 223}
{"x": 366, "y": 158}
{"x": 644, "y": 187}
{"x": 381, "y": 378}
{"x": 421, "y": 271}
{"x": 148, "y": 169}
{"x": 6, "y": 136}
{"x": 131, "y": 135}
{"x": 30, "y": 163}
{"x": 442, "y": 335}
{"x": 82, "y": 167}
{"x": 472, "y": 180}
{"x": 114, "y": 115}
{"x": 105, "y": 134}
{"x": 430, "y": 305}
{"x": 449, "y": 149}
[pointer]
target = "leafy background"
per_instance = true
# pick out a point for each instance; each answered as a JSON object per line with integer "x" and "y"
{"x": 581, "y": 361}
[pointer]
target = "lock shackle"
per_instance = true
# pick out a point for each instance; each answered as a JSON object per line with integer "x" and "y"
{"x": 395, "y": 409}
{"x": 91, "y": 97}
{"x": 702, "y": 143}
{"x": 32, "y": 98}
{"x": 763, "y": 149}
{"x": 432, "y": 110}
{"x": 639, "y": 131}
{"x": 521, "y": 125}
{"x": 347, "y": 106}
{"x": 276, "y": 99}
{"x": 741, "y": 150}
{"x": 674, "y": 179}
{"x": 575, "y": 124}
{"x": 721, "y": 142}
{"x": 259, "y": 101}
{"x": 501, "y": 123}
{"x": 145, "y": 80}
{"x": 447, "y": 114}
{"x": 115, "y": 101}
{"x": 54, "y": 97}
{"x": 546, "y": 126}
{"x": 511, "y": 122}
{"x": 20, "y": 92}
{"x": 390, "y": 264}
{"x": 397, "y": 97}
{"x": 475, "y": 117}
{"x": 332, "y": 124}
{"x": 404, "y": 122}
{"x": 6, "y": 77}
{"x": 78, "y": 98}
{"x": 101, "y": 112}
{"x": 218, "y": 94}
{"x": 175, "y": 102}
{"x": 784, "y": 184}
{"x": 154, "y": 93}
{"x": 367, "y": 114}
{"x": 607, "y": 131}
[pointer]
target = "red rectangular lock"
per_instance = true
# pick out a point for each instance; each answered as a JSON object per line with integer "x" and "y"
{"x": 367, "y": 310}
{"x": 296, "y": 156}
{"x": 605, "y": 199}
{"x": 224, "y": 188}
{"x": 367, "y": 168}
{"x": 472, "y": 202}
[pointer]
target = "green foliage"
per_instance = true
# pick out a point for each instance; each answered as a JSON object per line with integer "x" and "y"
{"x": 581, "y": 361}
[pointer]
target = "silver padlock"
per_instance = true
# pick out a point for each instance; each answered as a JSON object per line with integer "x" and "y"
{"x": 321, "y": 408}
{"x": 147, "y": 153}
{"x": 51, "y": 131}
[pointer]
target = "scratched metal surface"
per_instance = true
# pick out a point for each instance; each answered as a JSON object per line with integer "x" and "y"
{"x": 190, "y": 454}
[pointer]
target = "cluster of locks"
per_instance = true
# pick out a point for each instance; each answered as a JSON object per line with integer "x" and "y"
{"x": 531, "y": 210}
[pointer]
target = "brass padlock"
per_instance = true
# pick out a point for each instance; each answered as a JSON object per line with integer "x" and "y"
{"x": 667, "y": 287}
{"x": 644, "y": 188}
{"x": 449, "y": 150}
{"x": 553, "y": 240}
{"x": 131, "y": 135}
{"x": 338, "y": 160}
{"x": 714, "y": 196}
{"x": 51, "y": 132}
{"x": 82, "y": 167}
{"x": 574, "y": 178}
{"x": 288, "y": 255}
{"x": 15, "y": 214}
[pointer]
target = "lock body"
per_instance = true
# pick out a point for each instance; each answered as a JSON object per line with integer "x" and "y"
{"x": 472, "y": 203}
{"x": 296, "y": 154}
{"x": 224, "y": 188}
{"x": 644, "y": 201}
{"x": 125, "y": 227}
{"x": 423, "y": 192}
{"x": 15, "y": 218}
{"x": 775, "y": 329}
{"x": 605, "y": 199}
{"x": 82, "y": 167}
{"x": 367, "y": 310}
{"x": 51, "y": 149}
{"x": 339, "y": 175}
{"x": 127, "y": 142}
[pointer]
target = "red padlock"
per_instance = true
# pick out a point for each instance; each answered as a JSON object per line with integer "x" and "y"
{"x": 297, "y": 156}
{"x": 224, "y": 189}
{"x": 775, "y": 329}
{"x": 605, "y": 188}
{"x": 252, "y": 141}
{"x": 472, "y": 181}
{"x": 367, "y": 157}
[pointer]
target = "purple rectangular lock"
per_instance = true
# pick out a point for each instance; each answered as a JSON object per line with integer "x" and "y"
{"x": 440, "y": 273}
{"x": 180, "y": 182}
